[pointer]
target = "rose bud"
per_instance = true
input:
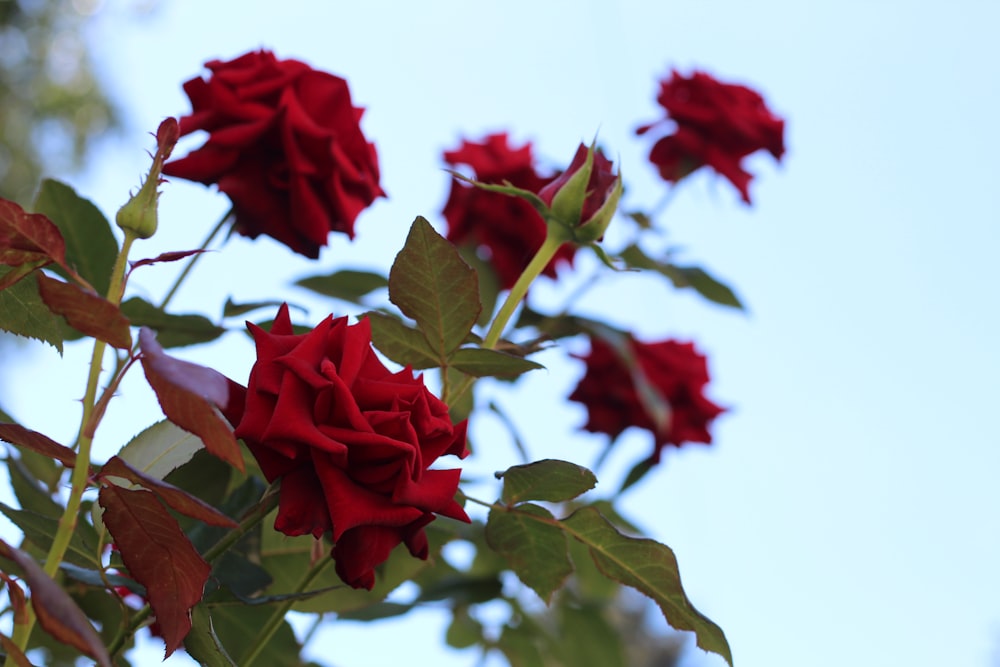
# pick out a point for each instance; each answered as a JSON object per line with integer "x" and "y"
{"x": 138, "y": 215}
{"x": 583, "y": 198}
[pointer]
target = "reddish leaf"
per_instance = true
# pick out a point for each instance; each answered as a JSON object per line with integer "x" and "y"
{"x": 165, "y": 257}
{"x": 36, "y": 442}
{"x": 86, "y": 312}
{"x": 28, "y": 237}
{"x": 192, "y": 396}
{"x": 17, "y": 600}
{"x": 179, "y": 499}
{"x": 14, "y": 652}
{"x": 158, "y": 555}
{"x": 55, "y": 609}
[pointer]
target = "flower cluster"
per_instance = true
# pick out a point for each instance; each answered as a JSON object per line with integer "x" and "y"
{"x": 352, "y": 448}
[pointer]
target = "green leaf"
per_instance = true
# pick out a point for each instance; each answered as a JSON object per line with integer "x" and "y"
{"x": 242, "y": 577}
{"x": 347, "y": 284}
{"x": 641, "y": 219}
{"x": 535, "y": 549}
{"x": 637, "y": 472}
{"x": 682, "y": 277}
{"x": 204, "y": 476}
{"x": 286, "y": 558}
{"x": 550, "y": 480}
{"x": 464, "y": 631}
{"x": 650, "y": 568}
{"x": 707, "y": 286}
{"x": 171, "y": 330}
{"x": 463, "y": 589}
{"x": 203, "y": 644}
{"x": 90, "y": 245}
{"x": 103, "y": 610}
{"x": 431, "y": 284}
{"x": 30, "y": 495}
{"x": 554, "y": 326}
{"x": 489, "y": 282}
{"x": 94, "y": 578}
{"x": 480, "y": 362}
{"x": 521, "y": 647}
{"x": 22, "y": 312}
{"x": 375, "y": 612}
{"x": 238, "y": 626}
{"x": 588, "y": 638}
{"x": 232, "y": 309}
{"x": 400, "y": 343}
{"x": 161, "y": 449}
{"x": 41, "y": 530}
{"x": 462, "y": 407}
{"x": 42, "y": 468}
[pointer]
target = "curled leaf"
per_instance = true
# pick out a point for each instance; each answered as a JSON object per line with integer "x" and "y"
{"x": 192, "y": 397}
{"x": 55, "y": 609}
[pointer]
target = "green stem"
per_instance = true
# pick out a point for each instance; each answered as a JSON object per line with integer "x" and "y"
{"x": 194, "y": 258}
{"x": 538, "y": 263}
{"x": 278, "y": 615}
{"x": 477, "y": 501}
{"x": 520, "y": 288}
{"x": 267, "y": 503}
{"x": 67, "y": 522}
{"x": 118, "y": 643}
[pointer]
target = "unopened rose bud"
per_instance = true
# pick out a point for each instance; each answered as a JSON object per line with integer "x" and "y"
{"x": 583, "y": 199}
{"x": 167, "y": 135}
{"x": 138, "y": 215}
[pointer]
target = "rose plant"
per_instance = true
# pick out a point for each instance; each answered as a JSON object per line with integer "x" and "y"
{"x": 220, "y": 519}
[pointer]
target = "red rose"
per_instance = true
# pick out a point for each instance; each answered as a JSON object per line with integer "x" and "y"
{"x": 285, "y": 146}
{"x": 676, "y": 370}
{"x": 351, "y": 441}
{"x": 506, "y": 228}
{"x": 717, "y": 124}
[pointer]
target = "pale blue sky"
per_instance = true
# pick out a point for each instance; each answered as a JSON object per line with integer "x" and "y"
{"x": 846, "y": 513}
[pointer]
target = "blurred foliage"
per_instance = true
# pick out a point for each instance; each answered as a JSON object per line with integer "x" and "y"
{"x": 51, "y": 102}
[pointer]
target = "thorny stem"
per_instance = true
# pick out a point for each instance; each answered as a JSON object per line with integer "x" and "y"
{"x": 67, "y": 522}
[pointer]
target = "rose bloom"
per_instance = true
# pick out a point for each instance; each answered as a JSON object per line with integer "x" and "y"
{"x": 676, "y": 370}
{"x": 351, "y": 441}
{"x": 717, "y": 125}
{"x": 506, "y": 229}
{"x": 285, "y": 145}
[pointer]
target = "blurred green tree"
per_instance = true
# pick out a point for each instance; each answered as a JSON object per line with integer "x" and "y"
{"x": 51, "y": 103}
